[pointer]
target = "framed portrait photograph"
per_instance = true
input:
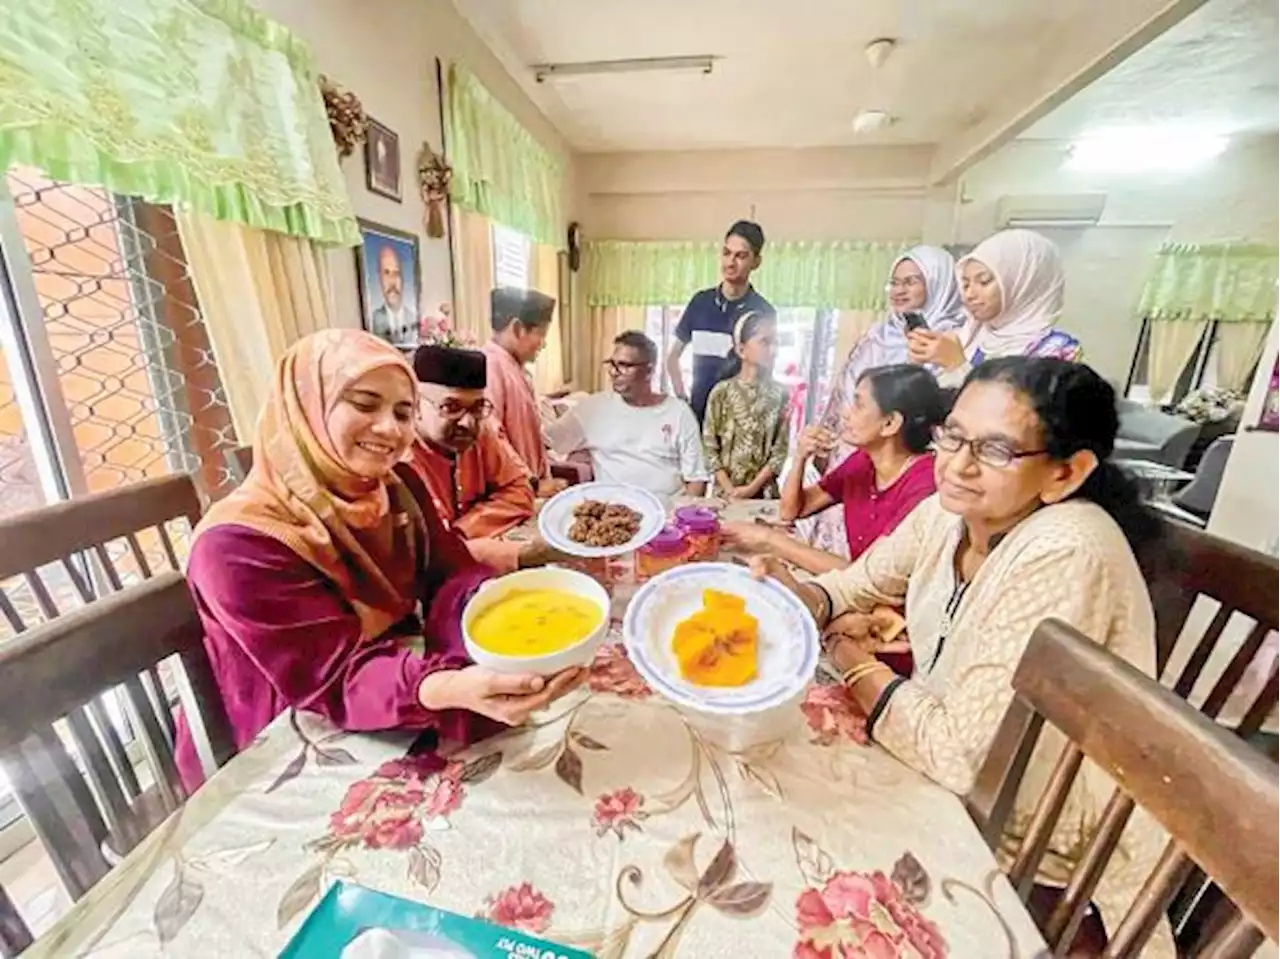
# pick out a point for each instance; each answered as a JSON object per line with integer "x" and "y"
{"x": 387, "y": 265}
{"x": 382, "y": 161}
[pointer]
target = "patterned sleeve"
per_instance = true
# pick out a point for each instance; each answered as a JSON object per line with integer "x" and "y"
{"x": 945, "y": 731}
{"x": 777, "y": 457}
{"x": 712, "y": 427}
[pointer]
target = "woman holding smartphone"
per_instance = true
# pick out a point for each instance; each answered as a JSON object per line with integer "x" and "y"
{"x": 923, "y": 295}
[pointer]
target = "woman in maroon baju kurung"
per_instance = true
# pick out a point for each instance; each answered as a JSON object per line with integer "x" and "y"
{"x": 309, "y": 577}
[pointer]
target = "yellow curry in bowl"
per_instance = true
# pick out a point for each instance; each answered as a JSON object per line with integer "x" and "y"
{"x": 535, "y": 622}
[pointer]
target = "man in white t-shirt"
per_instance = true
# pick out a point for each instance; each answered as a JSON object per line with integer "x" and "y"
{"x": 635, "y": 435}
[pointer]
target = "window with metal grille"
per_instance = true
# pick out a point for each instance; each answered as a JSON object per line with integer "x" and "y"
{"x": 107, "y": 375}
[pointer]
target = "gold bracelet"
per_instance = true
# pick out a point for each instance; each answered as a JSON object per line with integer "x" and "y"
{"x": 855, "y": 674}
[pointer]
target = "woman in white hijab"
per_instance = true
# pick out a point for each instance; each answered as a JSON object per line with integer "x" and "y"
{"x": 923, "y": 280}
{"x": 1012, "y": 285}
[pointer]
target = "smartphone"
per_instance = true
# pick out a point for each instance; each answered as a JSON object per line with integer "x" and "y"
{"x": 914, "y": 321}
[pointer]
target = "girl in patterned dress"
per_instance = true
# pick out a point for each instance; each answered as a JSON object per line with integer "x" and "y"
{"x": 744, "y": 434}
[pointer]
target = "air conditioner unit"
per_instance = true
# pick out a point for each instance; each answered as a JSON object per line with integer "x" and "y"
{"x": 1063, "y": 210}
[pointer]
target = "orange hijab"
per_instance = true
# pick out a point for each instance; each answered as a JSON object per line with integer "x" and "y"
{"x": 367, "y": 536}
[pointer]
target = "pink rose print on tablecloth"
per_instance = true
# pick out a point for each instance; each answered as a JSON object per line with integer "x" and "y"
{"x": 844, "y": 914}
{"x": 521, "y": 907}
{"x": 612, "y": 672}
{"x": 619, "y": 811}
{"x": 833, "y": 715}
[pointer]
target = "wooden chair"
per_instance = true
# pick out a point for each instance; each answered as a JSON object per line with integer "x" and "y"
{"x": 1216, "y": 796}
{"x": 52, "y": 671}
{"x": 73, "y": 553}
{"x": 239, "y": 461}
{"x": 1243, "y": 581}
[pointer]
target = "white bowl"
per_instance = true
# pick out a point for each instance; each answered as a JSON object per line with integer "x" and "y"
{"x": 551, "y": 577}
{"x": 789, "y": 642}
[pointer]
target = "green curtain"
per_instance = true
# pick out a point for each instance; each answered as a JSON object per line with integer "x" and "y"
{"x": 1227, "y": 282}
{"x": 845, "y": 275}
{"x": 500, "y": 169}
{"x": 198, "y": 103}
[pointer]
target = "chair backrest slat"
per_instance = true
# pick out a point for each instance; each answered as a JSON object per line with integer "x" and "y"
{"x": 14, "y": 934}
{"x": 139, "y": 556}
{"x": 1216, "y": 795}
{"x": 48, "y": 609}
{"x": 1166, "y": 880}
{"x": 100, "y": 772}
{"x": 1234, "y": 671}
{"x": 15, "y": 621}
{"x": 1204, "y": 649}
{"x": 155, "y": 748}
{"x": 170, "y": 553}
{"x": 78, "y": 581}
{"x": 110, "y": 739}
{"x": 1067, "y": 915}
{"x": 1023, "y": 871}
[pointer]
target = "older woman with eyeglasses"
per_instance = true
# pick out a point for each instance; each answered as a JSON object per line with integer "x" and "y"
{"x": 1031, "y": 521}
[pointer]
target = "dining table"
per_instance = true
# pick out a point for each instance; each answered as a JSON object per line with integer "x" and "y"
{"x": 614, "y": 822}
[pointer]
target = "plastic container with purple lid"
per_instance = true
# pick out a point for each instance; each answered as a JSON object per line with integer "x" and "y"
{"x": 669, "y": 548}
{"x": 702, "y": 526}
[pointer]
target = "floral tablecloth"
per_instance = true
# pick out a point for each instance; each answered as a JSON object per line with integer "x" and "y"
{"x": 614, "y": 823}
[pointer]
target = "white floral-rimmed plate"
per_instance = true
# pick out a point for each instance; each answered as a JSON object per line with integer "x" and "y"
{"x": 556, "y": 516}
{"x": 789, "y": 643}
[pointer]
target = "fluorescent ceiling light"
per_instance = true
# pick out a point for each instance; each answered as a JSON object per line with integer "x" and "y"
{"x": 1145, "y": 149}
{"x": 556, "y": 71}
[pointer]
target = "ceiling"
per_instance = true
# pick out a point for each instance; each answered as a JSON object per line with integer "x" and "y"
{"x": 1217, "y": 68}
{"x": 790, "y": 74}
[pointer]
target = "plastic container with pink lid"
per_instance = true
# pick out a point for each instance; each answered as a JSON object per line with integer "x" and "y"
{"x": 702, "y": 527}
{"x": 665, "y": 551}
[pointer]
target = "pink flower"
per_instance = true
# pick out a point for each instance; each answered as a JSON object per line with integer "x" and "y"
{"x": 618, "y": 811}
{"x": 863, "y": 915}
{"x": 832, "y": 714}
{"x": 417, "y": 766}
{"x": 349, "y": 821}
{"x": 612, "y": 672}
{"x": 443, "y": 325}
{"x": 446, "y": 793}
{"x": 394, "y": 822}
{"x": 521, "y": 907}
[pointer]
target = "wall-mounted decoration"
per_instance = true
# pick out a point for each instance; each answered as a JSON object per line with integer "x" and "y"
{"x": 433, "y": 185}
{"x": 574, "y": 243}
{"x": 387, "y": 265}
{"x": 347, "y": 120}
{"x": 382, "y": 161}
{"x": 1270, "y": 418}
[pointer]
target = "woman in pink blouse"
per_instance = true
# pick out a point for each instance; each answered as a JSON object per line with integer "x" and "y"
{"x": 890, "y": 425}
{"x": 310, "y": 577}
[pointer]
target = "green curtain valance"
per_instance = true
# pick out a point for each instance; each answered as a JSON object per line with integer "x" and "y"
{"x": 846, "y": 275}
{"x": 202, "y": 103}
{"x": 1228, "y": 282}
{"x": 500, "y": 169}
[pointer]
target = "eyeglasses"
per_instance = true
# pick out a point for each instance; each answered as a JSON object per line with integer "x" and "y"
{"x": 453, "y": 411}
{"x": 621, "y": 366}
{"x": 905, "y": 284}
{"x": 994, "y": 453}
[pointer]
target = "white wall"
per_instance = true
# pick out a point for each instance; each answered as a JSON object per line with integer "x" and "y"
{"x": 385, "y": 52}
